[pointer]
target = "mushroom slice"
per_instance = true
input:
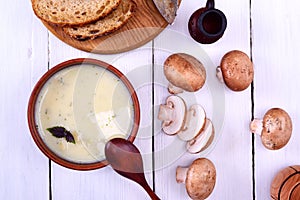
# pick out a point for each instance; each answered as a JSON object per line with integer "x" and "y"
{"x": 199, "y": 178}
{"x": 194, "y": 123}
{"x": 203, "y": 140}
{"x": 184, "y": 72}
{"x": 275, "y": 128}
{"x": 172, "y": 114}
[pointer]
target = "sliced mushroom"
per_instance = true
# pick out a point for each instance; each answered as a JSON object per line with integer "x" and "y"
{"x": 194, "y": 123}
{"x": 275, "y": 128}
{"x": 172, "y": 114}
{"x": 199, "y": 178}
{"x": 184, "y": 72}
{"x": 236, "y": 70}
{"x": 203, "y": 140}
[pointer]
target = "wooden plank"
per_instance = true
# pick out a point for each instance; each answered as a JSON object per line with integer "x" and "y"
{"x": 275, "y": 44}
{"x": 232, "y": 153}
{"x": 275, "y": 52}
{"x": 24, "y": 169}
{"x": 105, "y": 183}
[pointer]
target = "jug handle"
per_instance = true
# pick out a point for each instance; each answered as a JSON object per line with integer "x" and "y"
{"x": 210, "y": 4}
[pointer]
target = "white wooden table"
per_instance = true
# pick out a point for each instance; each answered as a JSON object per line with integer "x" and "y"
{"x": 268, "y": 31}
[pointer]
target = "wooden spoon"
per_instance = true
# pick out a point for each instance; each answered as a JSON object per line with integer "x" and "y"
{"x": 125, "y": 158}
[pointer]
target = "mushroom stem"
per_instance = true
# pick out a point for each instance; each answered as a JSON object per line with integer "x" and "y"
{"x": 256, "y": 126}
{"x": 165, "y": 113}
{"x": 173, "y": 89}
{"x": 181, "y": 174}
{"x": 219, "y": 74}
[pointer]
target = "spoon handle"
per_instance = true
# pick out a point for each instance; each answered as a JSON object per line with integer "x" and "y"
{"x": 150, "y": 192}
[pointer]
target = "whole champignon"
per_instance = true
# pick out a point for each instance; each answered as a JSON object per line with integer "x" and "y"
{"x": 203, "y": 140}
{"x": 172, "y": 114}
{"x": 194, "y": 123}
{"x": 184, "y": 72}
{"x": 275, "y": 128}
{"x": 236, "y": 70}
{"x": 199, "y": 178}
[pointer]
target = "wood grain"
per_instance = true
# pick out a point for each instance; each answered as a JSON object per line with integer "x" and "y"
{"x": 275, "y": 48}
{"x": 232, "y": 153}
{"x": 146, "y": 24}
{"x": 275, "y": 51}
{"x": 285, "y": 184}
{"x": 24, "y": 169}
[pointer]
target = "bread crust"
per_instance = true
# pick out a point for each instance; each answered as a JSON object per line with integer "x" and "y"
{"x": 114, "y": 21}
{"x": 73, "y": 12}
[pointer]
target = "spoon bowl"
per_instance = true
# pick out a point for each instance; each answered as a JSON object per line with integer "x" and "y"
{"x": 125, "y": 158}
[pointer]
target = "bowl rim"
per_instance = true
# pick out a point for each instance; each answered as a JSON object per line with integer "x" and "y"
{"x": 33, "y": 99}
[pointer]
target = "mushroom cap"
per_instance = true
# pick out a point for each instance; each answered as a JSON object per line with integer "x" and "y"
{"x": 172, "y": 114}
{"x": 237, "y": 70}
{"x": 200, "y": 179}
{"x": 185, "y": 71}
{"x": 277, "y": 129}
{"x": 194, "y": 123}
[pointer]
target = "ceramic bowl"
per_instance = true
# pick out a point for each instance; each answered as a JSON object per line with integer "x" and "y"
{"x": 46, "y": 93}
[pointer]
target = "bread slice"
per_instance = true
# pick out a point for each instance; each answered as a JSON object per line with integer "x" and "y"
{"x": 73, "y": 12}
{"x": 109, "y": 24}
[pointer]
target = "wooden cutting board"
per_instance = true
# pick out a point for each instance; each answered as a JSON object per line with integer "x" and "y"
{"x": 286, "y": 184}
{"x": 145, "y": 25}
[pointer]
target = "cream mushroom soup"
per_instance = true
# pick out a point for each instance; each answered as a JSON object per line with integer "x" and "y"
{"x": 90, "y": 102}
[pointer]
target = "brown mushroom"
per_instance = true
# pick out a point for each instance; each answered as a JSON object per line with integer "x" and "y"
{"x": 236, "y": 70}
{"x": 199, "y": 178}
{"x": 172, "y": 114}
{"x": 184, "y": 72}
{"x": 275, "y": 128}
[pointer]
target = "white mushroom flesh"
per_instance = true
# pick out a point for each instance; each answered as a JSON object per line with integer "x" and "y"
{"x": 181, "y": 173}
{"x": 172, "y": 114}
{"x": 174, "y": 90}
{"x": 256, "y": 126}
{"x": 194, "y": 123}
{"x": 166, "y": 113}
{"x": 196, "y": 145}
{"x": 219, "y": 74}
